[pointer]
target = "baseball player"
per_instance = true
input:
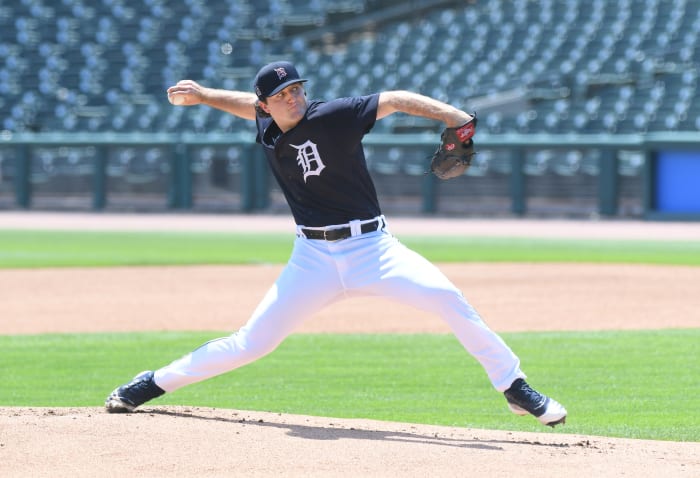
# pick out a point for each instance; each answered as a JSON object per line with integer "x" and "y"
{"x": 343, "y": 247}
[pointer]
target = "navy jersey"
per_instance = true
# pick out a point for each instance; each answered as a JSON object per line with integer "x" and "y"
{"x": 320, "y": 163}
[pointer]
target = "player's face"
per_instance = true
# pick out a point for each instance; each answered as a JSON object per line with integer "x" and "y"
{"x": 288, "y": 106}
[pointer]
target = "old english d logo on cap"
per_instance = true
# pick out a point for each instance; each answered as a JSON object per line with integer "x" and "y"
{"x": 281, "y": 72}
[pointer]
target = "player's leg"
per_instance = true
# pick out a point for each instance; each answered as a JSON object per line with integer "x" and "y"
{"x": 409, "y": 278}
{"x": 384, "y": 267}
{"x": 287, "y": 303}
{"x": 306, "y": 284}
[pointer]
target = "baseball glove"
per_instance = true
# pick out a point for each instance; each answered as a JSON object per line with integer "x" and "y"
{"x": 454, "y": 155}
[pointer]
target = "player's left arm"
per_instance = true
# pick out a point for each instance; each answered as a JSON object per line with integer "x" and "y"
{"x": 419, "y": 105}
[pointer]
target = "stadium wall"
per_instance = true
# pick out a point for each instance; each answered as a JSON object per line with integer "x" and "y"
{"x": 650, "y": 176}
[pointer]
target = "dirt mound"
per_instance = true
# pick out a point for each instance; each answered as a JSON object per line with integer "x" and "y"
{"x": 202, "y": 442}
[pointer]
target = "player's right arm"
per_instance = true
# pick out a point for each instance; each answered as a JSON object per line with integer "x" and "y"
{"x": 189, "y": 92}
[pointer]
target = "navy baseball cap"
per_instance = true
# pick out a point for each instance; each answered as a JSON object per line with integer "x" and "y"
{"x": 274, "y": 77}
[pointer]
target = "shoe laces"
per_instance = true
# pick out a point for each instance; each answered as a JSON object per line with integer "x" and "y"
{"x": 524, "y": 393}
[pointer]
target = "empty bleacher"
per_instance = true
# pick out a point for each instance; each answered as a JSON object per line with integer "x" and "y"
{"x": 528, "y": 66}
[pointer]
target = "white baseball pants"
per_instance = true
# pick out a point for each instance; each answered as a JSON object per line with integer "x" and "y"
{"x": 321, "y": 272}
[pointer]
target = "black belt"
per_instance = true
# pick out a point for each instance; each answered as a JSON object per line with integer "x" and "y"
{"x": 341, "y": 232}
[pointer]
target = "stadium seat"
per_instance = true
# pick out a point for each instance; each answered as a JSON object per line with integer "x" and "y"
{"x": 628, "y": 66}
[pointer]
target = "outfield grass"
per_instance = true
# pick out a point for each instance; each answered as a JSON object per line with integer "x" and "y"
{"x": 21, "y": 249}
{"x": 625, "y": 384}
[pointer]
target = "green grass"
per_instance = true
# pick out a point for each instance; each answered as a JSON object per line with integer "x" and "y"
{"x": 23, "y": 249}
{"x": 20, "y": 249}
{"x": 641, "y": 384}
{"x": 625, "y": 384}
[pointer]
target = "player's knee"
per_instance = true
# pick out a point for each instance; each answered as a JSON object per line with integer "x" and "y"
{"x": 249, "y": 348}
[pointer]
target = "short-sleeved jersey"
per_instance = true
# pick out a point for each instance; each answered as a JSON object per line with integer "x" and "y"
{"x": 320, "y": 163}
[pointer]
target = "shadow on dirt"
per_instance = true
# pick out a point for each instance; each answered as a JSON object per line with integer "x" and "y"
{"x": 334, "y": 431}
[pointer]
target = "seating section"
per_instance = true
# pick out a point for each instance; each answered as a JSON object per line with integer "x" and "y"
{"x": 557, "y": 66}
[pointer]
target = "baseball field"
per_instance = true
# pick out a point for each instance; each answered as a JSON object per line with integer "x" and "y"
{"x": 604, "y": 315}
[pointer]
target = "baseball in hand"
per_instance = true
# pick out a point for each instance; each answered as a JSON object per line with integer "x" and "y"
{"x": 177, "y": 99}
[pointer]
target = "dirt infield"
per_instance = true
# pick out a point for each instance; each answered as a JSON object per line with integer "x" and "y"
{"x": 190, "y": 441}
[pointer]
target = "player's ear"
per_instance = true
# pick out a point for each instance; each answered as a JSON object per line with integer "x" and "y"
{"x": 260, "y": 111}
{"x": 263, "y": 106}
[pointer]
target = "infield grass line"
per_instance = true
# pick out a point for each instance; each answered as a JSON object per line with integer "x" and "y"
{"x": 631, "y": 384}
{"x": 32, "y": 249}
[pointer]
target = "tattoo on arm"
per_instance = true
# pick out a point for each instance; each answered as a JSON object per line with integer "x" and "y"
{"x": 419, "y": 105}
